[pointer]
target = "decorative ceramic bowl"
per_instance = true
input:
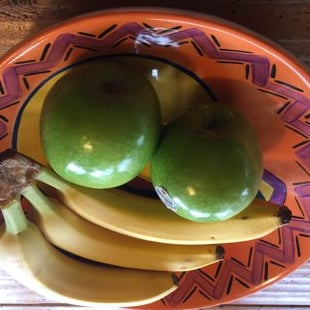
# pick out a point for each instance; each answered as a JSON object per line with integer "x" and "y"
{"x": 188, "y": 57}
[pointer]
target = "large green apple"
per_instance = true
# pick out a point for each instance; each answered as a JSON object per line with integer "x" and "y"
{"x": 208, "y": 166}
{"x": 100, "y": 124}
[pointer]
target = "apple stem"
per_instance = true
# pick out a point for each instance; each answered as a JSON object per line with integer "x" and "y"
{"x": 210, "y": 125}
{"x": 110, "y": 87}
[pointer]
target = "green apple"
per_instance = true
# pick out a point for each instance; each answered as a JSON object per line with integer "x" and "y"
{"x": 208, "y": 166}
{"x": 100, "y": 124}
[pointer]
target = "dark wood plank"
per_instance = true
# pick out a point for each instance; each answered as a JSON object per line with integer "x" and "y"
{"x": 286, "y": 22}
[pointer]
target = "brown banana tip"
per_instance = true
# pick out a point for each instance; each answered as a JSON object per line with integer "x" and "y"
{"x": 220, "y": 252}
{"x": 16, "y": 172}
{"x": 175, "y": 279}
{"x": 285, "y": 214}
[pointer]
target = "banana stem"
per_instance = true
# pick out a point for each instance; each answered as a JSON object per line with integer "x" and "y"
{"x": 50, "y": 178}
{"x": 14, "y": 217}
{"x": 38, "y": 200}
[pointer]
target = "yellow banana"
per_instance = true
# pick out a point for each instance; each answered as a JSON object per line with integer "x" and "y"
{"x": 149, "y": 219}
{"x": 70, "y": 232}
{"x": 35, "y": 263}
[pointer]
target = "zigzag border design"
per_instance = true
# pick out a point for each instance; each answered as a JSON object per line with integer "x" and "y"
{"x": 260, "y": 68}
{"x": 253, "y": 275}
{"x": 260, "y": 64}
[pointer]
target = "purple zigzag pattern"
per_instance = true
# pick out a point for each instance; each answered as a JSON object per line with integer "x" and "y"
{"x": 262, "y": 251}
{"x": 60, "y": 46}
{"x": 260, "y": 65}
{"x": 254, "y": 276}
{"x": 299, "y": 107}
{"x": 304, "y": 155}
{"x": 260, "y": 77}
{"x": 279, "y": 188}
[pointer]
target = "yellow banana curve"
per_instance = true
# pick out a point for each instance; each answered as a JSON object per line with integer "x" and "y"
{"x": 72, "y": 233}
{"x": 35, "y": 263}
{"x": 148, "y": 219}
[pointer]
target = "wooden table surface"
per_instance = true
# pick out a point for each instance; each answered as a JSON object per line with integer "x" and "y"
{"x": 287, "y": 22}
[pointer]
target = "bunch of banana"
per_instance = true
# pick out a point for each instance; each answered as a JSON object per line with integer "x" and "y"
{"x": 114, "y": 228}
{"x": 72, "y": 233}
{"x": 30, "y": 259}
{"x": 35, "y": 263}
{"x": 31, "y": 249}
{"x": 146, "y": 218}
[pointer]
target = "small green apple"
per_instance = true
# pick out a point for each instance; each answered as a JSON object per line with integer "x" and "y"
{"x": 100, "y": 124}
{"x": 208, "y": 166}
